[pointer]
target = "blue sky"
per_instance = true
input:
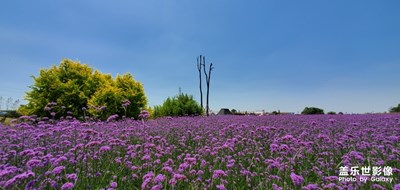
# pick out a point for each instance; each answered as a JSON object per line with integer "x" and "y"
{"x": 268, "y": 55}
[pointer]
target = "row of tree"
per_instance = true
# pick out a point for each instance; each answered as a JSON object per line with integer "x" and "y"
{"x": 9, "y": 103}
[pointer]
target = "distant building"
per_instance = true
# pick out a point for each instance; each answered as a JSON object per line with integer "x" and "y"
{"x": 224, "y": 111}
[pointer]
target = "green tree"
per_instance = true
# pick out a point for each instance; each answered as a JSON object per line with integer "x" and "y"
{"x": 312, "y": 110}
{"x": 395, "y": 109}
{"x": 77, "y": 89}
{"x": 234, "y": 111}
{"x": 180, "y": 105}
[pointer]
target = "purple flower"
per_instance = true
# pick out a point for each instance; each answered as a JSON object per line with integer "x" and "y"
{"x": 311, "y": 187}
{"x": 52, "y": 104}
{"x": 72, "y": 176}
{"x": 190, "y": 161}
{"x": 157, "y": 187}
{"x": 112, "y": 117}
{"x": 183, "y": 166}
{"x": 126, "y": 103}
{"x": 330, "y": 186}
{"x": 296, "y": 179}
{"x": 146, "y": 157}
{"x": 273, "y": 147}
{"x": 378, "y": 187}
{"x": 179, "y": 177}
{"x": 58, "y": 170}
{"x": 218, "y": 173}
{"x": 105, "y": 148}
{"x": 159, "y": 178}
{"x": 168, "y": 169}
{"x": 148, "y": 176}
{"x": 276, "y": 187}
{"x": 144, "y": 114}
{"x": 33, "y": 163}
{"x": 18, "y": 178}
{"x": 396, "y": 187}
{"x": 113, "y": 184}
{"x": 221, "y": 187}
{"x": 332, "y": 178}
{"x": 67, "y": 185}
{"x": 92, "y": 143}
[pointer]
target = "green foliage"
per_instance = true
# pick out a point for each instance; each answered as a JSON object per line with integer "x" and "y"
{"x": 234, "y": 111}
{"x": 78, "y": 89}
{"x": 312, "y": 110}
{"x": 276, "y": 112}
{"x": 180, "y": 105}
{"x": 395, "y": 109}
{"x": 331, "y": 113}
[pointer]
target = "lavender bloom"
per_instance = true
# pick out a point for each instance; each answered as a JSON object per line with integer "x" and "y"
{"x": 33, "y": 163}
{"x": 296, "y": 179}
{"x": 67, "y": 186}
{"x": 112, "y": 118}
{"x": 179, "y": 177}
{"x": 157, "y": 187}
{"x": 332, "y": 178}
{"x": 113, "y": 185}
{"x": 58, "y": 170}
{"x": 72, "y": 177}
{"x": 52, "y": 104}
{"x": 311, "y": 187}
{"x": 126, "y": 103}
{"x": 221, "y": 187}
{"x": 105, "y": 148}
{"x": 274, "y": 147}
{"x": 218, "y": 173}
{"x": 159, "y": 178}
{"x": 148, "y": 176}
{"x": 378, "y": 187}
{"x": 18, "y": 178}
{"x": 92, "y": 143}
{"x": 168, "y": 169}
{"x": 276, "y": 187}
{"x": 144, "y": 114}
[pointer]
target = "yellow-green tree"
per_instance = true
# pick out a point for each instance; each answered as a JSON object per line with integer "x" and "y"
{"x": 75, "y": 89}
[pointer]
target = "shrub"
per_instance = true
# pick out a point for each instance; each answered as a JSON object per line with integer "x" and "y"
{"x": 395, "y": 109}
{"x": 180, "y": 105}
{"x": 312, "y": 110}
{"x": 77, "y": 89}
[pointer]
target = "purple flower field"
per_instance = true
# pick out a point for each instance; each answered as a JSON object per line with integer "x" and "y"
{"x": 217, "y": 152}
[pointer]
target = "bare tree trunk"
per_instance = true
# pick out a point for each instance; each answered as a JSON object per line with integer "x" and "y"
{"x": 208, "y": 77}
{"x": 199, "y": 64}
